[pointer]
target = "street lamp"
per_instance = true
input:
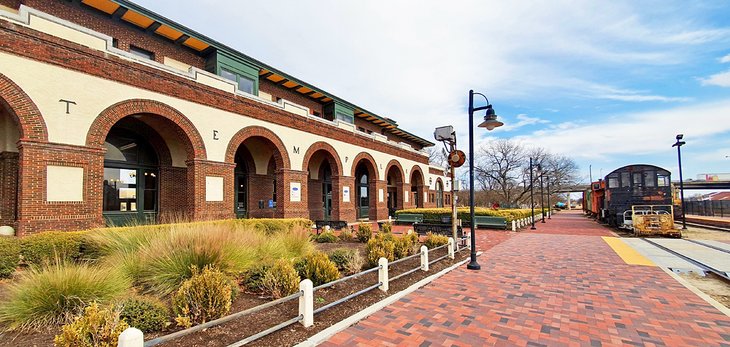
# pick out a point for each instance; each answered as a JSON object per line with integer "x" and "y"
{"x": 542, "y": 201}
{"x": 490, "y": 122}
{"x": 679, "y": 144}
{"x": 547, "y": 184}
{"x": 532, "y": 200}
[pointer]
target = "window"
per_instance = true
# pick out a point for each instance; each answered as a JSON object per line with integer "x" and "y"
{"x": 245, "y": 84}
{"x": 625, "y": 179}
{"x": 662, "y": 180}
{"x": 143, "y": 53}
{"x": 613, "y": 181}
{"x": 649, "y": 178}
{"x": 345, "y": 117}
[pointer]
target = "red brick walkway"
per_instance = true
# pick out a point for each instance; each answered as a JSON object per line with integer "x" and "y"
{"x": 546, "y": 289}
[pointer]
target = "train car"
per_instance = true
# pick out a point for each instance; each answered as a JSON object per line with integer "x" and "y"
{"x": 593, "y": 198}
{"x": 639, "y": 198}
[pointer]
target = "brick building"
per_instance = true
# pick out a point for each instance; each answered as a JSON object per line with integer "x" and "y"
{"x": 110, "y": 112}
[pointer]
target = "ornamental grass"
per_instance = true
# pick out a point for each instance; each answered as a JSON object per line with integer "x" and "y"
{"x": 54, "y": 293}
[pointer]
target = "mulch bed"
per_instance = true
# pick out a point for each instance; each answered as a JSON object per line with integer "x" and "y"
{"x": 241, "y": 328}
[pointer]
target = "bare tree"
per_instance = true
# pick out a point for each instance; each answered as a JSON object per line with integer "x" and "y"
{"x": 502, "y": 172}
{"x": 437, "y": 156}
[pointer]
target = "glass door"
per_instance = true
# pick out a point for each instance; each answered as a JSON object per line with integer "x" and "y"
{"x": 241, "y": 182}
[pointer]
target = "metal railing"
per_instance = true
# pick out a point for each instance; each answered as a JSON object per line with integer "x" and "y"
{"x": 708, "y": 208}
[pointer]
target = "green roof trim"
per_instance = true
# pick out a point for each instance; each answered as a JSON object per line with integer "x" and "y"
{"x": 232, "y": 53}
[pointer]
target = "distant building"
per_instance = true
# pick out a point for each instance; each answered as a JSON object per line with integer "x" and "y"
{"x": 110, "y": 112}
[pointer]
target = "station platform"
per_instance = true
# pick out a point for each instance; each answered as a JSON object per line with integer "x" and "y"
{"x": 723, "y": 222}
{"x": 563, "y": 284}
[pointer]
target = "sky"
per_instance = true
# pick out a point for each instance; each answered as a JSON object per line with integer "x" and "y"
{"x": 605, "y": 83}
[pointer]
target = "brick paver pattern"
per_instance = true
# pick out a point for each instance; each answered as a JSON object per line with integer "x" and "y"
{"x": 547, "y": 289}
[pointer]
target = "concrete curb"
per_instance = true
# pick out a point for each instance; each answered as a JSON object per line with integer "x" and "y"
{"x": 325, "y": 334}
{"x": 698, "y": 292}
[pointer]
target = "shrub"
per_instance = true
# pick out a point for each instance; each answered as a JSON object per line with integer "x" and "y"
{"x": 144, "y": 313}
{"x": 380, "y": 246}
{"x": 406, "y": 245}
{"x": 97, "y": 326}
{"x": 9, "y": 255}
{"x": 271, "y": 226}
{"x": 386, "y": 228}
{"x": 435, "y": 214}
{"x": 253, "y": 278}
{"x": 53, "y": 293}
{"x": 203, "y": 297}
{"x": 44, "y": 247}
{"x": 364, "y": 232}
{"x": 318, "y": 268}
{"x": 327, "y": 236}
{"x": 435, "y": 240}
{"x": 281, "y": 279}
{"x": 348, "y": 261}
{"x": 346, "y": 235}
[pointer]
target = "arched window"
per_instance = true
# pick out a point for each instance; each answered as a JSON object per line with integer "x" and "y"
{"x": 363, "y": 196}
{"x": 131, "y": 172}
{"x": 439, "y": 194}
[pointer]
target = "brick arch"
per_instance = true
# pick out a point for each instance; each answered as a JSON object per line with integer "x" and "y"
{"x": 23, "y": 110}
{"x": 372, "y": 168}
{"x": 326, "y": 147}
{"x": 280, "y": 154}
{"x": 415, "y": 169}
{"x": 395, "y": 163}
{"x": 193, "y": 142}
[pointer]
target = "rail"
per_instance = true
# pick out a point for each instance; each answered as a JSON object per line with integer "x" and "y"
{"x": 709, "y": 246}
{"x": 697, "y": 263}
{"x": 221, "y": 320}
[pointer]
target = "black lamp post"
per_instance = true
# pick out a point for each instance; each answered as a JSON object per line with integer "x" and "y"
{"x": 532, "y": 200}
{"x": 490, "y": 122}
{"x": 542, "y": 201}
{"x": 547, "y": 185}
{"x": 679, "y": 144}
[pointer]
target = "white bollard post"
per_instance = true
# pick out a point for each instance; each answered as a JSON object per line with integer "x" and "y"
{"x": 383, "y": 274}
{"x": 131, "y": 337}
{"x": 306, "y": 303}
{"x": 514, "y": 226}
{"x": 326, "y": 228}
{"x": 424, "y": 258}
{"x": 451, "y": 247}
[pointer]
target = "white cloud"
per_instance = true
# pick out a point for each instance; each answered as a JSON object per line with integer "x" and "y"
{"x": 522, "y": 120}
{"x": 720, "y": 79}
{"x": 725, "y": 59}
{"x": 635, "y": 134}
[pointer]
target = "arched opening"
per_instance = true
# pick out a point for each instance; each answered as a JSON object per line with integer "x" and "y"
{"x": 322, "y": 171}
{"x": 417, "y": 190}
{"x": 394, "y": 186}
{"x": 141, "y": 180}
{"x": 259, "y": 183}
{"x": 9, "y": 169}
{"x": 439, "y": 193}
{"x": 362, "y": 191}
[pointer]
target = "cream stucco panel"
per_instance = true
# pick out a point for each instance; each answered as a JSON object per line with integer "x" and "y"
{"x": 213, "y": 188}
{"x": 64, "y": 183}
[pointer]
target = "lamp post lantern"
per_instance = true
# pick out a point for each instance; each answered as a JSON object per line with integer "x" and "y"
{"x": 490, "y": 122}
{"x": 532, "y": 199}
{"x": 679, "y": 144}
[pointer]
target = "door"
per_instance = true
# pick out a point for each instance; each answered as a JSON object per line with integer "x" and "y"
{"x": 241, "y": 183}
{"x": 327, "y": 200}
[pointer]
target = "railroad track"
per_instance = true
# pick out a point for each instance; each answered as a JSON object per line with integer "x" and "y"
{"x": 692, "y": 260}
{"x": 706, "y": 226}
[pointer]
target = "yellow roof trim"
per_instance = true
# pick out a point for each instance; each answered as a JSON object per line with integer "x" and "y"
{"x": 303, "y": 90}
{"x": 290, "y": 84}
{"x": 137, "y": 19}
{"x": 106, "y": 6}
{"x": 327, "y": 99}
{"x": 275, "y": 78}
{"x": 196, "y": 44}
{"x": 169, "y": 32}
{"x": 316, "y": 95}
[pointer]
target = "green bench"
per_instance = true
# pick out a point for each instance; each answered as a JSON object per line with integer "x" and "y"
{"x": 408, "y": 218}
{"x": 490, "y": 222}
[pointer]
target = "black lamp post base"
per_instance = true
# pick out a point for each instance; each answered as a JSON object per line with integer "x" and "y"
{"x": 533, "y": 228}
{"x": 473, "y": 265}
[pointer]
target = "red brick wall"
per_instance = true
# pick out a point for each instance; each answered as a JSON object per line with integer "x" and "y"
{"x": 288, "y": 94}
{"x": 8, "y": 188}
{"x": 125, "y": 33}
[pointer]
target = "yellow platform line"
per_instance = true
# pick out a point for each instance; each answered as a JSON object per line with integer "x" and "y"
{"x": 626, "y": 252}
